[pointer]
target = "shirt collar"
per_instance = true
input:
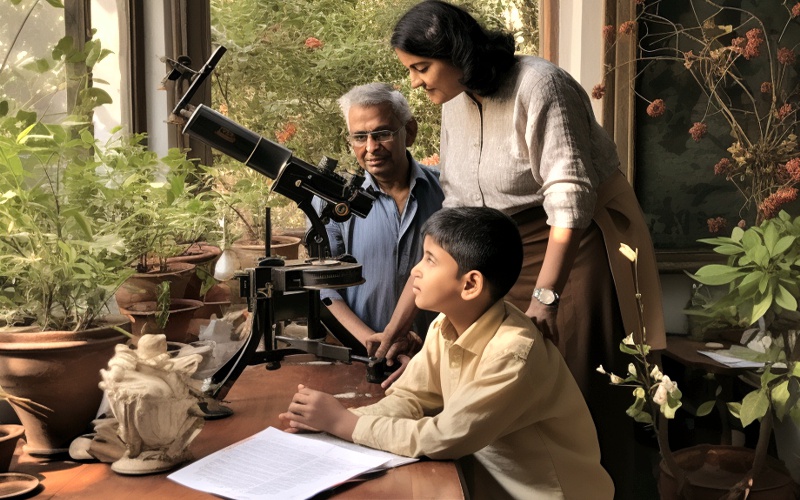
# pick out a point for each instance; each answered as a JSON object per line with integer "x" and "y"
{"x": 417, "y": 175}
{"x": 475, "y": 338}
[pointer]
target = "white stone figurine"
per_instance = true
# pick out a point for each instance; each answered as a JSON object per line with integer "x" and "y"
{"x": 154, "y": 401}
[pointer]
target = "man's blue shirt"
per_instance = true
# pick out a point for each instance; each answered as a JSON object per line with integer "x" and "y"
{"x": 387, "y": 245}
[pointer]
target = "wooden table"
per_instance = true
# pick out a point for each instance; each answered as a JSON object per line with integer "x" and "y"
{"x": 256, "y": 398}
{"x": 684, "y": 351}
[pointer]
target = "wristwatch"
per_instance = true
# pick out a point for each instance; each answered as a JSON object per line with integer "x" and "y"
{"x": 546, "y": 296}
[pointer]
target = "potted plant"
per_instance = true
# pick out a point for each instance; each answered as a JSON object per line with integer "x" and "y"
{"x": 243, "y": 200}
{"x": 59, "y": 266}
{"x": 710, "y": 470}
{"x": 161, "y": 209}
{"x": 165, "y": 315}
{"x": 761, "y": 282}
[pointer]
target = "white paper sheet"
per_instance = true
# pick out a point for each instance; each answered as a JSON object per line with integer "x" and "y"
{"x": 277, "y": 465}
{"x": 391, "y": 460}
{"x": 731, "y": 361}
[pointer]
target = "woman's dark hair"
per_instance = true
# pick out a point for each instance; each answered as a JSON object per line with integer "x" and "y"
{"x": 442, "y": 31}
{"x": 479, "y": 239}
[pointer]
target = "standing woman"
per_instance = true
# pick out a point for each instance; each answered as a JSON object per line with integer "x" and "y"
{"x": 519, "y": 134}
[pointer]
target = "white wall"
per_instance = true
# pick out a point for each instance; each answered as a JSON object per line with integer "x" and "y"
{"x": 155, "y": 49}
{"x": 105, "y": 20}
{"x": 580, "y": 51}
{"x": 580, "y": 47}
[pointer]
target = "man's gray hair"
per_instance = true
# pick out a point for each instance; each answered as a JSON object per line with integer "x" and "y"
{"x": 374, "y": 94}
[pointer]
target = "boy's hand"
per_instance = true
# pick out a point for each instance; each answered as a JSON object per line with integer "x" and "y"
{"x": 312, "y": 410}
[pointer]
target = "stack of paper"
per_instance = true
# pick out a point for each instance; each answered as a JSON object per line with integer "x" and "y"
{"x": 277, "y": 465}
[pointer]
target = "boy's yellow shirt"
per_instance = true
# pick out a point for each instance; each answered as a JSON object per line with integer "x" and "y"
{"x": 499, "y": 396}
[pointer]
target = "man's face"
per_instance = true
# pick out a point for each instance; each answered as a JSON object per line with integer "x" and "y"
{"x": 384, "y": 160}
{"x": 437, "y": 285}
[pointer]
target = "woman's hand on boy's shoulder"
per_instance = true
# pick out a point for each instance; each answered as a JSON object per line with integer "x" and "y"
{"x": 544, "y": 317}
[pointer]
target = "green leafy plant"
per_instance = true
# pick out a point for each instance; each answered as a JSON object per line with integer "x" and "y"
{"x": 161, "y": 205}
{"x": 762, "y": 275}
{"x": 58, "y": 265}
{"x": 762, "y": 283}
{"x": 162, "y": 304}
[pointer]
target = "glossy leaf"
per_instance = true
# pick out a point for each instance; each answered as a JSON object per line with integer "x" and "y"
{"x": 754, "y": 406}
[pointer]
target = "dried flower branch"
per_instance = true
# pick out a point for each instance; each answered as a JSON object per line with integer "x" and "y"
{"x": 749, "y": 77}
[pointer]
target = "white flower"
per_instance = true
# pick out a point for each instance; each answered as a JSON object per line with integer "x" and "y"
{"x": 656, "y": 373}
{"x": 628, "y": 252}
{"x": 632, "y": 369}
{"x": 616, "y": 379}
{"x": 660, "y": 397}
{"x": 628, "y": 340}
{"x": 602, "y": 370}
{"x": 669, "y": 384}
{"x": 665, "y": 387}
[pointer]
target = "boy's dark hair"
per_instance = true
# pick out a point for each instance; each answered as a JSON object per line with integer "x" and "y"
{"x": 481, "y": 239}
{"x": 442, "y": 31}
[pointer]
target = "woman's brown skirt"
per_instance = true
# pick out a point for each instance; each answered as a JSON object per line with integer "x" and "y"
{"x": 589, "y": 322}
{"x": 597, "y": 310}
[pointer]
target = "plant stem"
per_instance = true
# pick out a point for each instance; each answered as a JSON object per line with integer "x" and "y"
{"x": 16, "y": 36}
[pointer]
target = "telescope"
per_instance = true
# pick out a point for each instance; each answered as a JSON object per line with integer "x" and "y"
{"x": 279, "y": 290}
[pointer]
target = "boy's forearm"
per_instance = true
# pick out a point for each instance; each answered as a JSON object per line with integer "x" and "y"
{"x": 344, "y": 426}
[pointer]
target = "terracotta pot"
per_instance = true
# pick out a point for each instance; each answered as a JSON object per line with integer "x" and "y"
{"x": 181, "y": 311}
{"x": 250, "y": 252}
{"x": 711, "y": 471}
{"x": 202, "y": 255}
{"x": 197, "y": 253}
{"x": 142, "y": 287}
{"x": 60, "y": 371}
{"x": 9, "y": 435}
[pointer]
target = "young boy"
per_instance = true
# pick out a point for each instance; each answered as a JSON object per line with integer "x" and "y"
{"x": 486, "y": 387}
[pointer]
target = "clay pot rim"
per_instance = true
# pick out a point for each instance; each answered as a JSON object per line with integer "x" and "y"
{"x": 259, "y": 244}
{"x": 11, "y": 340}
{"x": 705, "y": 448}
{"x": 173, "y": 268}
{"x": 183, "y": 305}
{"x": 207, "y": 253}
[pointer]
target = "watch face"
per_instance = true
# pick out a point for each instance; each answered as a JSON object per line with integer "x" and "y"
{"x": 545, "y": 296}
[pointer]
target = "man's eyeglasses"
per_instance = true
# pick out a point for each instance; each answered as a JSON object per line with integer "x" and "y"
{"x": 359, "y": 140}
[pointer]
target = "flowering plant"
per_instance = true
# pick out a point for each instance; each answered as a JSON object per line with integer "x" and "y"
{"x": 746, "y": 70}
{"x": 656, "y": 396}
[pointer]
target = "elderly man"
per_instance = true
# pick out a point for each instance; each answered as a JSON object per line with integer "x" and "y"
{"x": 387, "y": 243}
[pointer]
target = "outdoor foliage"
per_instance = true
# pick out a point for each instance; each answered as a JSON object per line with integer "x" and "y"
{"x": 289, "y": 61}
{"x": 58, "y": 267}
{"x": 76, "y": 213}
